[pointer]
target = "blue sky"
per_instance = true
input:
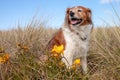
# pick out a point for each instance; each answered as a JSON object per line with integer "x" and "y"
{"x": 14, "y": 12}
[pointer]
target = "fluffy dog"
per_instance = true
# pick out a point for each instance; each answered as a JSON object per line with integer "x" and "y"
{"x": 74, "y": 35}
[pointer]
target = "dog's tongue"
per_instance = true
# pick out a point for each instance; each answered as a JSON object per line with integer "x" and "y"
{"x": 73, "y": 21}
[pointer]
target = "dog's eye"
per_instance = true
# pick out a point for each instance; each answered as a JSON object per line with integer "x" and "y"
{"x": 79, "y": 10}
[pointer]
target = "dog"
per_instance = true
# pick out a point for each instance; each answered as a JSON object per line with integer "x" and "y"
{"x": 74, "y": 35}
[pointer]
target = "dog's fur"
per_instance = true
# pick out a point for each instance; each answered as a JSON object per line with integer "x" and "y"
{"x": 74, "y": 35}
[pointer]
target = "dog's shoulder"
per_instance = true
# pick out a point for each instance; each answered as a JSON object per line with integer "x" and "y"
{"x": 57, "y": 39}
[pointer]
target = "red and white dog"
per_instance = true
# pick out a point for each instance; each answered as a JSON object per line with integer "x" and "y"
{"x": 74, "y": 35}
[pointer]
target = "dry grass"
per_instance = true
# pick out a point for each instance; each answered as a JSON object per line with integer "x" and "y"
{"x": 26, "y": 46}
{"x": 104, "y": 58}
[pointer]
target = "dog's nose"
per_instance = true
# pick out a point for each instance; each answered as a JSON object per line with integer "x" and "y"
{"x": 72, "y": 13}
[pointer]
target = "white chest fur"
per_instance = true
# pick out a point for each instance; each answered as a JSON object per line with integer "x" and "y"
{"x": 75, "y": 46}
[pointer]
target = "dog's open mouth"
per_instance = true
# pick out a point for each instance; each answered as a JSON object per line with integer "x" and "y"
{"x": 75, "y": 21}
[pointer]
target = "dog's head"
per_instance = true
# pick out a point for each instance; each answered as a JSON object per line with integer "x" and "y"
{"x": 78, "y": 16}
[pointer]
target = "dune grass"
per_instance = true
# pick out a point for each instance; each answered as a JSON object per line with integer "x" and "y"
{"x": 26, "y": 48}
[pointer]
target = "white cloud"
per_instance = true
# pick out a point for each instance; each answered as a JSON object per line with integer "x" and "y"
{"x": 108, "y": 1}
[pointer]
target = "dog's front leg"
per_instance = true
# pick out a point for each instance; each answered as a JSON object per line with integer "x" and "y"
{"x": 84, "y": 64}
{"x": 67, "y": 59}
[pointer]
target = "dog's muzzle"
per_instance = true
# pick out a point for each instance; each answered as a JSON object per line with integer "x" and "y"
{"x": 75, "y": 21}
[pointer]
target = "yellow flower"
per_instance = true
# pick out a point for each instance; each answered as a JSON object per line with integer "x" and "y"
{"x": 4, "y": 58}
{"x": 58, "y": 49}
{"x": 76, "y": 63}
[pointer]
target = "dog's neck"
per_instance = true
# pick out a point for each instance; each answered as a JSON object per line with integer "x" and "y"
{"x": 83, "y": 32}
{"x": 79, "y": 28}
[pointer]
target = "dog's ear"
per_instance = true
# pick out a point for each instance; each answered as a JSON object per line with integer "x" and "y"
{"x": 67, "y": 11}
{"x": 89, "y": 15}
{"x": 67, "y": 17}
